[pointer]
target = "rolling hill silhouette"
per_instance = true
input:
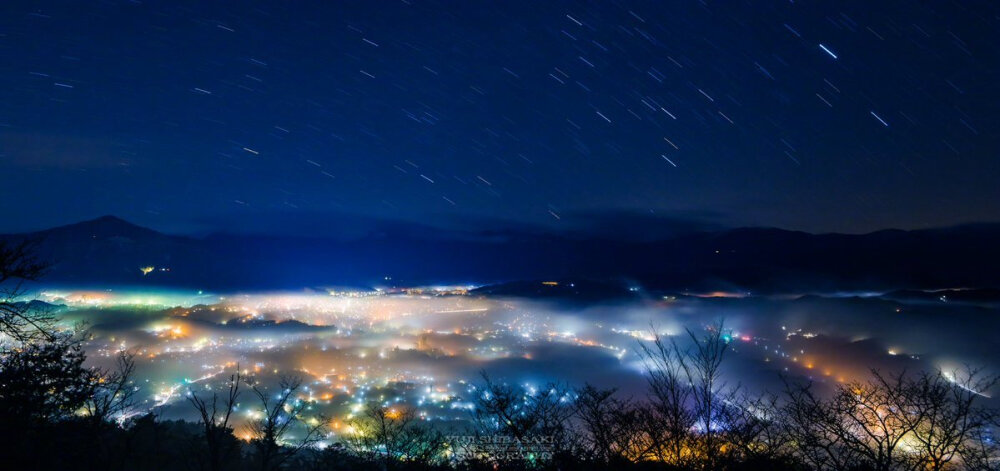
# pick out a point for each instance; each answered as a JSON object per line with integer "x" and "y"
{"x": 111, "y": 251}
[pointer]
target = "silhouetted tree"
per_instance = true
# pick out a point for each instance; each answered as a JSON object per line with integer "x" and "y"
{"x": 525, "y": 415}
{"x": 687, "y": 393}
{"x": 814, "y": 427}
{"x": 20, "y": 320}
{"x": 944, "y": 416}
{"x": 671, "y": 417}
{"x": 220, "y": 446}
{"x": 45, "y": 380}
{"x": 611, "y": 430}
{"x": 893, "y": 421}
{"x": 703, "y": 367}
{"x": 281, "y": 413}
{"x": 113, "y": 397}
{"x": 753, "y": 430}
{"x": 391, "y": 438}
{"x": 43, "y": 384}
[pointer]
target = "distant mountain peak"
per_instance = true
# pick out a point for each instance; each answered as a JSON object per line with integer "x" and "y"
{"x": 109, "y": 218}
{"x": 105, "y": 226}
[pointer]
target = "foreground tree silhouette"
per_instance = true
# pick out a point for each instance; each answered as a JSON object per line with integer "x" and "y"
{"x": 611, "y": 431}
{"x": 753, "y": 430}
{"x": 687, "y": 392}
{"x": 44, "y": 384}
{"x": 394, "y": 438}
{"x": 671, "y": 418}
{"x": 894, "y": 421}
{"x": 270, "y": 436}
{"x": 113, "y": 398}
{"x": 21, "y": 321}
{"x": 695, "y": 419}
{"x": 945, "y": 419}
{"x": 44, "y": 381}
{"x": 219, "y": 446}
{"x": 524, "y": 414}
{"x": 703, "y": 368}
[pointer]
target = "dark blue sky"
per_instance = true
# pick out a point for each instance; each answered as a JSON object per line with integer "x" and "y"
{"x": 845, "y": 116}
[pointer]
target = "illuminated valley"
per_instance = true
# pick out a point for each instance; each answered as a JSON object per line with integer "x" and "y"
{"x": 428, "y": 349}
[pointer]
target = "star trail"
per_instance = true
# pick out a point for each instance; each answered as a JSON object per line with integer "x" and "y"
{"x": 843, "y": 116}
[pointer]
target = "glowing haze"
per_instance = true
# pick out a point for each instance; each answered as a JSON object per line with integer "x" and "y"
{"x": 427, "y": 348}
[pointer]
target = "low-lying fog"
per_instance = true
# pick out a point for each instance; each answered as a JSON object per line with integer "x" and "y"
{"x": 424, "y": 351}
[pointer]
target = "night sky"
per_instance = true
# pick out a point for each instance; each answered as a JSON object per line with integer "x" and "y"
{"x": 239, "y": 116}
